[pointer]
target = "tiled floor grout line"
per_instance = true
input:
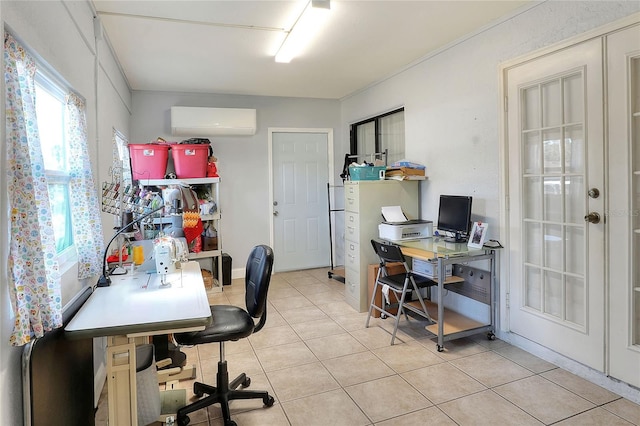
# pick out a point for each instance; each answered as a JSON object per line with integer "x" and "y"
{"x": 409, "y": 336}
{"x": 491, "y": 388}
{"x": 324, "y": 366}
{"x": 396, "y": 373}
{"x": 341, "y": 387}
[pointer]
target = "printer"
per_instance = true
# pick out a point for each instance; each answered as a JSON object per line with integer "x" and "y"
{"x": 396, "y": 226}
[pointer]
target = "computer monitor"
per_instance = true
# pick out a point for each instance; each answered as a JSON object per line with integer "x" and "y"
{"x": 454, "y": 215}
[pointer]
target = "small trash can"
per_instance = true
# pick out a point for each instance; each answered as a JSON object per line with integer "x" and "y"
{"x": 226, "y": 269}
{"x": 148, "y": 391}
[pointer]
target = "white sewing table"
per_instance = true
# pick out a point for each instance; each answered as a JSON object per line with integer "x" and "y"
{"x": 138, "y": 306}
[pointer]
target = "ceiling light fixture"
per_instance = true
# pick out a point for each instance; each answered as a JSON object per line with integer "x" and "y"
{"x": 306, "y": 26}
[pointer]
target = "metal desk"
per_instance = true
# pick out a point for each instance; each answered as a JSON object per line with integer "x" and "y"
{"x": 138, "y": 306}
{"x": 450, "y": 254}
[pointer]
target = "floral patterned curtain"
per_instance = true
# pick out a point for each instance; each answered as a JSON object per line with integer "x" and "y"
{"x": 34, "y": 277}
{"x": 85, "y": 213}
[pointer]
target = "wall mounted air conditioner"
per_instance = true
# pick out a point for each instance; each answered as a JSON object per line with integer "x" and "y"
{"x": 204, "y": 122}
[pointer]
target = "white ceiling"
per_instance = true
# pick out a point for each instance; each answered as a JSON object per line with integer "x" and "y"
{"x": 228, "y": 46}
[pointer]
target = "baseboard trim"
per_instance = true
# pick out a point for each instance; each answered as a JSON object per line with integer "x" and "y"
{"x": 616, "y": 386}
{"x": 237, "y": 273}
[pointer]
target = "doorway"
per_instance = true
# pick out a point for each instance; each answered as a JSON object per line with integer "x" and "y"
{"x": 556, "y": 145}
{"x": 572, "y": 130}
{"x": 301, "y": 166}
{"x": 623, "y": 212}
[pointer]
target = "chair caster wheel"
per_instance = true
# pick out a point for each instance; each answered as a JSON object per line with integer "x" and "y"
{"x": 197, "y": 391}
{"x": 268, "y": 401}
{"x": 440, "y": 348}
{"x": 246, "y": 383}
{"x": 183, "y": 421}
{"x": 383, "y": 316}
{"x": 230, "y": 423}
{"x": 491, "y": 336}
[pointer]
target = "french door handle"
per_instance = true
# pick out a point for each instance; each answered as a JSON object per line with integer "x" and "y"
{"x": 592, "y": 217}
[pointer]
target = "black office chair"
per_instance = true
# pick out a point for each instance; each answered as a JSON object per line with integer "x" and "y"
{"x": 233, "y": 323}
{"x": 402, "y": 285}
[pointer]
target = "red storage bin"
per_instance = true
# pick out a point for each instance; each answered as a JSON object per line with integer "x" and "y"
{"x": 189, "y": 160}
{"x": 148, "y": 161}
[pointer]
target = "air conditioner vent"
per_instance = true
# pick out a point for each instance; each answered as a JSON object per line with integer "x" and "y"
{"x": 204, "y": 122}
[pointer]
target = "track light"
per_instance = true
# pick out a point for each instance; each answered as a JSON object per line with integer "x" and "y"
{"x": 301, "y": 33}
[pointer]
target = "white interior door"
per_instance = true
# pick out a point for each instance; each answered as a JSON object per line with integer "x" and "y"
{"x": 623, "y": 220}
{"x": 300, "y": 205}
{"x": 556, "y": 151}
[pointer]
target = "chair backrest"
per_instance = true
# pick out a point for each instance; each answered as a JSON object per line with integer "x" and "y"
{"x": 387, "y": 252}
{"x": 257, "y": 279}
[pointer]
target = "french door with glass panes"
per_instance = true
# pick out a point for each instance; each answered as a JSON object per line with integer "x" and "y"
{"x": 623, "y": 218}
{"x": 556, "y": 181}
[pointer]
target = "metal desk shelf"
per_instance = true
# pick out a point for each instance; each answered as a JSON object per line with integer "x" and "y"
{"x": 453, "y": 325}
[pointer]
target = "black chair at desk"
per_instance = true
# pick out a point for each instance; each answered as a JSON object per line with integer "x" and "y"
{"x": 402, "y": 285}
{"x": 233, "y": 323}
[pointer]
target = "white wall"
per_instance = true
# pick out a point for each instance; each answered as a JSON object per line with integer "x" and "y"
{"x": 62, "y": 35}
{"x": 452, "y": 106}
{"x": 242, "y": 160}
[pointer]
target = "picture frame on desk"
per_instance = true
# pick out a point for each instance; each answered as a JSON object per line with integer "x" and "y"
{"x": 478, "y": 235}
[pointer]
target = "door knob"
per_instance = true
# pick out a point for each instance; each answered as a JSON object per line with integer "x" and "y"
{"x": 275, "y": 213}
{"x": 592, "y": 217}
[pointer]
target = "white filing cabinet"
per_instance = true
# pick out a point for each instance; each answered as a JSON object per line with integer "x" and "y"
{"x": 363, "y": 200}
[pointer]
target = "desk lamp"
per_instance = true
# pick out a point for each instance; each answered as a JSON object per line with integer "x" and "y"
{"x": 104, "y": 280}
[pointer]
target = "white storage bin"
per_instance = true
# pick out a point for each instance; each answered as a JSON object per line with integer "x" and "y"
{"x": 430, "y": 269}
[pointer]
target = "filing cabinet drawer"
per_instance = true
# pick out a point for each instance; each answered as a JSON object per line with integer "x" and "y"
{"x": 355, "y": 290}
{"x": 352, "y": 284}
{"x": 352, "y": 255}
{"x": 351, "y": 204}
{"x": 351, "y": 197}
{"x": 352, "y": 226}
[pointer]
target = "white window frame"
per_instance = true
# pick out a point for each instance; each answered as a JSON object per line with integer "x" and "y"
{"x": 379, "y": 134}
{"x": 68, "y": 257}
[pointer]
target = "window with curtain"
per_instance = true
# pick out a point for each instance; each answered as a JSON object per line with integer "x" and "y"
{"x": 378, "y": 134}
{"x": 50, "y": 110}
{"x": 51, "y": 192}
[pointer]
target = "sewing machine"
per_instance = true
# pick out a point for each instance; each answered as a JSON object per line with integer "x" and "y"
{"x": 168, "y": 253}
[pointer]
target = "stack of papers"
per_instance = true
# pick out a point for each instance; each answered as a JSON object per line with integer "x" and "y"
{"x": 406, "y": 170}
{"x": 393, "y": 214}
{"x": 405, "y": 173}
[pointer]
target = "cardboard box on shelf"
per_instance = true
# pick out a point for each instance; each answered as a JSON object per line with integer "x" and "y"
{"x": 404, "y": 171}
{"x": 209, "y": 243}
{"x": 392, "y": 268}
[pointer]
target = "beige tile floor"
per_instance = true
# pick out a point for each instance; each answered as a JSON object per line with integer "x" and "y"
{"x": 325, "y": 368}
